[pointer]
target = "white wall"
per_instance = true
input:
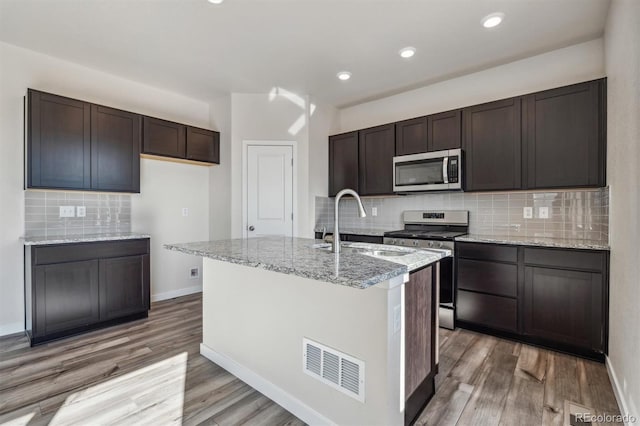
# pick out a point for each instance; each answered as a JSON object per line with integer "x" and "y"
{"x": 265, "y": 117}
{"x": 220, "y": 175}
{"x": 22, "y": 69}
{"x": 622, "y": 47}
{"x": 572, "y": 64}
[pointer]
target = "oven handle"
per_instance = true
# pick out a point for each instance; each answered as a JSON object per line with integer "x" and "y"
{"x": 445, "y": 169}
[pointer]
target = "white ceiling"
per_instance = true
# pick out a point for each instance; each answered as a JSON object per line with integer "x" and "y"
{"x": 203, "y": 50}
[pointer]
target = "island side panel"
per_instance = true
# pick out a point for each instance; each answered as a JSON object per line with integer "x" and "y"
{"x": 258, "y": 318}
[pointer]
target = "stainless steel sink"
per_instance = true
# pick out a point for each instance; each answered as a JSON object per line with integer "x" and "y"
{"x": 387, "y": 253}
{"x": 363, "y": 248}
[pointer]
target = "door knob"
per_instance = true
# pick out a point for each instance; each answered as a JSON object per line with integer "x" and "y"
{"x": 251, "y": 228}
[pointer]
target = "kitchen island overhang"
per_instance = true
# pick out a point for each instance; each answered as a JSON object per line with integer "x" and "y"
{"x": 263, "y": 298}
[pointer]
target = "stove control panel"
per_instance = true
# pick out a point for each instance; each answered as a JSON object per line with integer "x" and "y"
{"x": 407, "y": 242}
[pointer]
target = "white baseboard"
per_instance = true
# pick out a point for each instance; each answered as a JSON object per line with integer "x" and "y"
{"x": 623, "y": 404}
{"x": 176, "y": 293}
{"x": 12, "y": 328}
{"x": 259, "y": 383}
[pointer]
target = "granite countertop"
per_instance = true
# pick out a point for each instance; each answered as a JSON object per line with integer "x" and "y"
{"x": 536, "y": 241}
{"x": 82, "y": 238}
{"x": 374, "y": 232}
{"x": 297, "y": 256}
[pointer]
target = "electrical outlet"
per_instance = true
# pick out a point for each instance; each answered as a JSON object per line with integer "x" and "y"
{"x": 194, "y": 273}
{"x": 81, "y": 211}
{"x": 374, "y": 211}
{"x": 527, "y": 212}
{"x": 185, "y": 211}
{"x": 67, "y": 211}
{"x": 397, "y": 318}
{"x": 543, "y": 212}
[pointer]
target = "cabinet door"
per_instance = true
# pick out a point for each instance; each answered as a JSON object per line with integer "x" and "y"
{"x": 492, "y": 143}
{"x": 377, "y": 148}
{"x": 343, "y": 162}
{"x": 66, "y": 296}
{"x": 420, "y": 334}
{"x": 162, "y": 137}
{"x": 445, "y": 130}
{"x": 124, "y": 286}
{"x": 58, "y": 142}
{"x": 411, "y": 136}
{"x": 115, "y": 150}
{"x": 203, "y": 145}
{"x": 565, "y": 137}
{"x": 564, "y": 306}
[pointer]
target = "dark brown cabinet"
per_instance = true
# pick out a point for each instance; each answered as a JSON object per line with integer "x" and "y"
{"x": 445, "y": 130}
{"x": 115, "y": 150}
{"x": 72, "y": 288}
{"x": 376, "y": 147}
{"x": 548, "y": 296}
{"x": 493, "y": 146}
{"x": 66, "y": 296}
{"x": 420, "y": 341}
{"x": 435, "y": 132}
{"x": 203, "y": 145}
{"x": 76, "y": 145}
{"x": 125, "y": 286}
{"x": 343, "y": 162}
{"x": 564, "y": 137}
{"x": 166, "y": 138}
{"x": 58, "y": 142}
{"x": 565, "y": 304}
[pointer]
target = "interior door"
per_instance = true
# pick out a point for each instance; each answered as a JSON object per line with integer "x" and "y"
{"x": 269, "y": 190}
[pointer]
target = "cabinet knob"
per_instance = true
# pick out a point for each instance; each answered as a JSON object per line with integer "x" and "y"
{"x": 251, "y": 228}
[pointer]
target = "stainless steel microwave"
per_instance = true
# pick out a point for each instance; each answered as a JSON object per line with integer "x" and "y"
{"x": 431, "y": 171}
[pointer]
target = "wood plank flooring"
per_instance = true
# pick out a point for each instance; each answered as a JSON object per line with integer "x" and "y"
{"x": 150, "y": 372}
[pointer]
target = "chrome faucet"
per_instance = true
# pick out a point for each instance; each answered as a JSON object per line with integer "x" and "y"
{"x": 336, "y": 228}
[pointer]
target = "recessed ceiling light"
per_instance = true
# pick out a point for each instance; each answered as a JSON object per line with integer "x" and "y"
{"x": 215, "y": 1}
{"x": 407, "y": 52}
{"x": 492, "y": 20}
{"x": 344, "y": 75}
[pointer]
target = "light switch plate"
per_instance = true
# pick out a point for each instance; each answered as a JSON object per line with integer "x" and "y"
{"x": 543, "y": 212}
{"x": 81, "y": 211}
{"x": 374, "y": 211}
{"x": 67, "y": 211}
{"x": 527, "y": 212}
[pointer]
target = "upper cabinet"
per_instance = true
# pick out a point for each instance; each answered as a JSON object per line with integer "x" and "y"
{"x": 343, "y": 162}
{"x": 76, "y": 145}
{"x": 377, "y": 148}
{"x": 565, "y": 136}
{"x": 493, "y": 146}
{"x": 58, "y": 142}
{"x": 115, "y": 150}
{"x": 431, "y": 133}
{"x": 164, "y": 138}
{"x": 203, "y": 145}
{"x": 169, "y": 139}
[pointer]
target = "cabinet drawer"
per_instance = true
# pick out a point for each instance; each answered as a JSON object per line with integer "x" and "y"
{"x": 74, "y": 252}
{"x": 566, "y": 259}
{"x": 483, "y": 251}
{"x": 488, "y": 277}
{"x": 491, "y": 311}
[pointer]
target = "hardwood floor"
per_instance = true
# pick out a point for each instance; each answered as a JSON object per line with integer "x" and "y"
{"x": 150, "y": 372}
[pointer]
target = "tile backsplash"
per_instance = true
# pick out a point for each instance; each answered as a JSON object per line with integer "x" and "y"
{"x": 105, "y": 213}
{"x": 578, "y": 214}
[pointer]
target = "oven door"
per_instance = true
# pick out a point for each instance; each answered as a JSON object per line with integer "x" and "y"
{"x": 424, "y": 172}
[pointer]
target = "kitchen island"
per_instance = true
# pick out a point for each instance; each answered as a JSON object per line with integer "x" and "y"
{"x": 335, "y": 339}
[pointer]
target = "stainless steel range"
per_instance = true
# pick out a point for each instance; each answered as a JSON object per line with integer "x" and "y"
{"x": 435, "y": 229}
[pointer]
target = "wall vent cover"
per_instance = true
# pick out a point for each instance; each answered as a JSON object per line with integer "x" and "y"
{"x": 338, "y": 370}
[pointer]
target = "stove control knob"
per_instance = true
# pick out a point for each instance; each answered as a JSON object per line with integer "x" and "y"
{"x": 430, "y": 243}
{"x": 415, "y": 243}
{"x": 440, "y": 245}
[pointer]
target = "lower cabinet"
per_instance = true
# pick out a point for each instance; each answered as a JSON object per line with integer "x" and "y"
{"x": 77, "y": 287}
{"x": 548, "y": 296}
{"x": 420, "y": 341}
